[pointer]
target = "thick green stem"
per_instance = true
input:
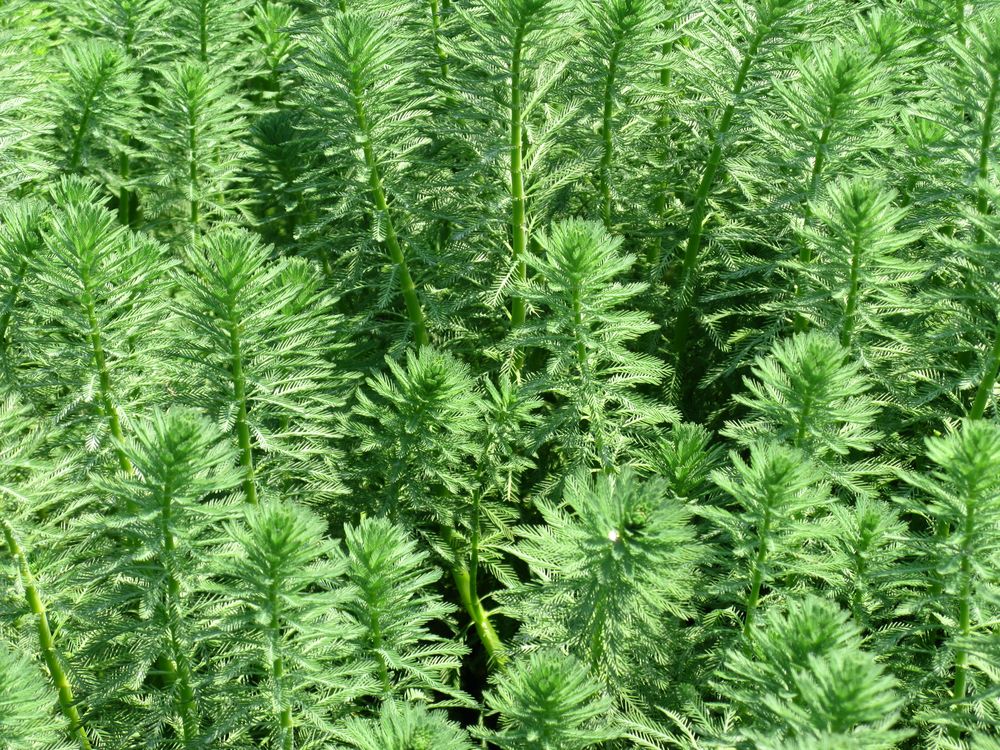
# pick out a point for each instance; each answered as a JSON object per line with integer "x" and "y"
{"x": 278, "y": 668}
{"x": 436, "y": 29}
{"x": 468, "y": 595}
{"x": 240, "y": 398}
{"x": 104, "y": 381}
{"x": 414, "y": 310}
{"x": 67, "y": 703}
{"x": 607, "y": 136}
{"x": 692, "y": 250}
{"x": 800, "y": 433}
{"x": 203, "y": 32}
{"x": 990, "y": 374}
{"x": 518, "y": 222}
{"x": 375, "y": 628}
{"x": 179, "y": 663}
{"x": 850, "y": 311}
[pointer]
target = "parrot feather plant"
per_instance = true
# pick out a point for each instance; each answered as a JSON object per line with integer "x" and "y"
{"x": 499, "y": 375}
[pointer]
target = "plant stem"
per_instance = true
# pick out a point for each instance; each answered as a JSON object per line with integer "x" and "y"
{"x": 964, "y": 599}
{"x": 519, "y": 230}
{"x": 985, "y": 146}
{"x": 278, "y": 667}
{"x": 67, "y": 704}
{"x": 436, "y": 29}
{"x": 607, "y": 135}
{"x": 805, "y": 252}
{"x": 688, "y": 277}
{"x": 124, "y": 196}
{"x": 655, "y": 249}
{"x": 179, "y": 663}
{"x": 989, "y": 379}
{"x": 850, "y": 311}
{"x": 104, "y": 380}
{"x": 194, "y": 215}
{"x": 757, "y": 577}
{"x": 414, "y": 311}
{"x": 240, "y": 397}
{"x": 468, "y": 594}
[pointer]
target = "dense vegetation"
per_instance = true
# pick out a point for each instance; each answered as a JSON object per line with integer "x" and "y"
{"x": 511, "y": 374}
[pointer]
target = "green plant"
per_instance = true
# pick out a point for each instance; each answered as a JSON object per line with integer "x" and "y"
{"x": 398, "y": 374}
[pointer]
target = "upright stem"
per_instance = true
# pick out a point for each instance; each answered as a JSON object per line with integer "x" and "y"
{"x": 518, "y": 226}
{"x": 414, "y": 311}
{"x": 757, "y": 577}
{"x": 964, "y": 599}
{"x": 179, "y": 661}
{"x": 124, "y": 196}
{"x": 104, "y": 379}
{"x": 607, "y": 135}
{"x": 850, "y": 311}
{"x": 655, "y": 249}
{"x": 240, "y": 397}
{"x": 194, "y": 215}
{"x": 698, "y": 210}
{"x": 67, "y": 704}
{"x": 278, "y": 668}
{"x": 203, "y": 32}
{"x": 436, "y": 29}
{"x": 805, "y": 252}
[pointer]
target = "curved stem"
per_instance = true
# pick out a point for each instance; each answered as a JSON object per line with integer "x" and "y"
{"x": 468, "y": 594}
{"x": 414, "y": 310}
{"x": 992, "y": 371}
{"x": 67, "y": 704}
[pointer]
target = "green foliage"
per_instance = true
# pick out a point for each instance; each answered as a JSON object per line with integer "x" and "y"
{"x": 772, "y": 526}
{"x": 26, "y": 721}
{"x": 402, "y": 726}
{"x": 195, "y": 152}
{"x": 589, "y": 367}
{"x": 961, "y": 500}
{"x": 253, "y": 349}
{"x": 548, "y": 701}
{"x": 806, "y": 677}
{"x": 389, "y": 595}
{"x": 410, "y": 374}
{"x": 615, "y": 566}
{"x": 811, "y": 395}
